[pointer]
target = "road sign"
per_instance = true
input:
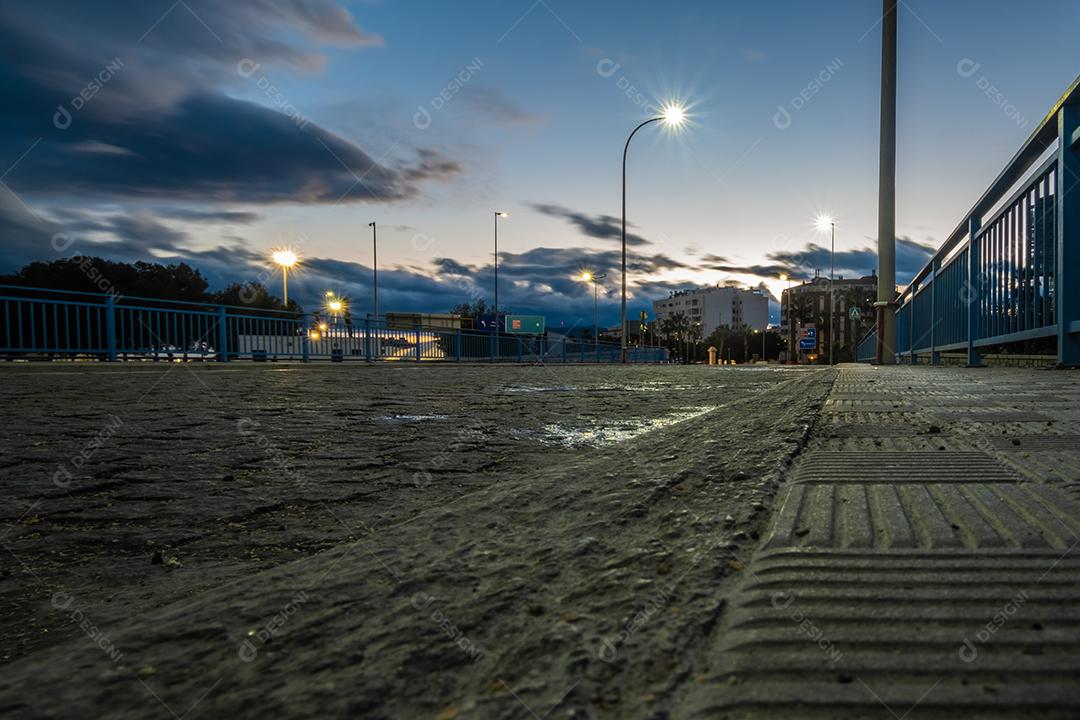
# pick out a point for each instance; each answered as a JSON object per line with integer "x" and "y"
{"x": 525, "y": 324}
{"x": 487, "y": 323}
{"x": 855, "y": 313}
{"x": 808, "y": 338}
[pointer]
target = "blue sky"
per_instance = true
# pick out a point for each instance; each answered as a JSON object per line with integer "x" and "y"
{"x": 227, "y": 129}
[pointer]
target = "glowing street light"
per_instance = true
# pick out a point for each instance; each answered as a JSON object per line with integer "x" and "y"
{"x": 285, "y": 258}
{"x": 589, "y": 277}
{"x": 673, "y": 116}
{"x": 825, "y": 223}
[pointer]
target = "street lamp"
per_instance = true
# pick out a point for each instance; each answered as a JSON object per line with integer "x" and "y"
{"x": 589, "y": 277}
{"x": 791, "y": 321}
{"x": 498, "y": 214}
{"x": 375, "y": 269}
{"x": 285, "y": 258}
{"x": 826, "y": 223}
{"x": 673, "y": 116}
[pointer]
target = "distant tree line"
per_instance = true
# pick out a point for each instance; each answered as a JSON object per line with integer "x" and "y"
{"x": 178, "y": 281}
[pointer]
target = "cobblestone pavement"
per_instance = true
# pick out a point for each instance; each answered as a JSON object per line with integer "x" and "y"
{"x": 519, "y": 542}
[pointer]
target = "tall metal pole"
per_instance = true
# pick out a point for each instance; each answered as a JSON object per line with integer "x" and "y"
{"x": 375, "y": 269}
{"x": 498, "y": 319}
{"x": 496, "y": 272}
{"x": 285, "y": 284}
{"x": 595, "y": 314}
{"x": 791, "y": 327}
{"x": 622, "y": 324}
{"x": 832, "y": 292}
{"x": 886, "y": 315}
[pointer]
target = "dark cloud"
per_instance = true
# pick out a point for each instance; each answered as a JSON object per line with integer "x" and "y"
{"x": 911, "y": 256}
{"x": 218, "y": 217}
{"x": 602, "y": 227}
{"x": 160, "y": 121}
{"x": 218, "y": 149}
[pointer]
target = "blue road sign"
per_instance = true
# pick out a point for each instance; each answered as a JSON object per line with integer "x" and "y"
{"x": 488, "y": 323}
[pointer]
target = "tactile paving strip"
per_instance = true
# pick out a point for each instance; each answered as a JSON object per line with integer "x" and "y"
{"x": 915, "y": 515}
{"x": 911, "y": 583}
{"x": 912, "y": 635}
{"x": 903, "y": 467}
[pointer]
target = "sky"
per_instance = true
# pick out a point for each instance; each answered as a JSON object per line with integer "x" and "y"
{"x": 210, "y": 133}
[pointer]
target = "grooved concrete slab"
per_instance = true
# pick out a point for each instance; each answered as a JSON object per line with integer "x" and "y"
{"x": 1064, "y": 443}
{"x": 899, "y": 467}
{"x": 861, "y": 634}
{"x": 899, "y": 581}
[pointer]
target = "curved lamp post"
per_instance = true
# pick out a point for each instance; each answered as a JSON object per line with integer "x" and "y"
{"x": 674, "y": 116}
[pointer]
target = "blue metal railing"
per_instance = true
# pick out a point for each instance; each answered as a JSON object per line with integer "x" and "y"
{"x": 866, "y": 349}
{"x": 1010, "y": 272}
{"x": 43, "y": 323}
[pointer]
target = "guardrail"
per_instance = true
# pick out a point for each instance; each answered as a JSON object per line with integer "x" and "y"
{"x": 44, "y": 323}
{"x": 866, "y": 349}
{"x": 1010, "y": 271}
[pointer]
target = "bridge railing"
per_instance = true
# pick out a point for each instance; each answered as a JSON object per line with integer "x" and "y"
{"x": 1010, "y": 271}
{"x": 866, "y": 349}
{"x": 44, "y": 323}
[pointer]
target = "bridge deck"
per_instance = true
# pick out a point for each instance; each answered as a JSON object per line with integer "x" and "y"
{"x": 518, "y": 541}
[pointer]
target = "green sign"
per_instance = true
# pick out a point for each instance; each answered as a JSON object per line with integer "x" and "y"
{"x": 525, "y": 324}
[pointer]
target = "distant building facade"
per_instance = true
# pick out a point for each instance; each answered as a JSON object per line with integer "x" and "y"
{"x": 809, "y": 302}
{"x": 715, "y": 307}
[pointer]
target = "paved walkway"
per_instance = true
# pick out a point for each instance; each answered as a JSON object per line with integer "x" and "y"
{"x": 921, "y": 561}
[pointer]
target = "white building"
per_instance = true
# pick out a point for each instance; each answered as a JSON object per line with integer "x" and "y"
{"x": 715, "y": 307}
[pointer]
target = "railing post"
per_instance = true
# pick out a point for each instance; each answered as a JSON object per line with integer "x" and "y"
{"x": 1067, "y": 227}
{"x": 305, "y": 339}
{"x": 974, "y": 292}
{"x": 912, "y": 360}
{"x": 935, "y": 354}
{"x": 367, "y": 338}
{"x": 223, "y": 336}
{"x": 457, "y": 345}
{"x": 419, "y": 352}
{"x": 110, "y": 327}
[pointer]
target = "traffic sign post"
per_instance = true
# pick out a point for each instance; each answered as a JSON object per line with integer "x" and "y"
{"x": 808, "y": 338}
